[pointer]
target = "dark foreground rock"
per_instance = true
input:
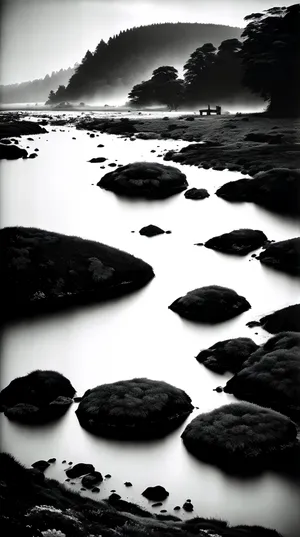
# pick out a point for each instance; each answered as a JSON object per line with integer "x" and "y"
{"x": 43, "y": 271}
{"x": 38, "y": 397}
{"x": 277, "y": 189}
{"x": 239, "y": 241}
{"x": 227, "y": 355}
{"x": 211, "y": 304}
{"x": 241, "y": 437}
{"x": 82, "y": 468}
{"x": 12, "y": 152}
{"x": 145, "y": 180}
{"x": 137, "y": 408}
{"x": 283, "y": 256}
{"x": 286, "y": 319}
{"x": 41, "y": 465}
{"x": 196, "y": 194}
{"x": 151, "y": 231}
{"x": 32, "y": 504}
{"x": 156, "y": 494}
{"x": 271, "y": 375}
{"x": 91, "y": 480}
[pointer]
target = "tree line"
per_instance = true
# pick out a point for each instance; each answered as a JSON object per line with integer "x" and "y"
{"x": 265, "y": 63}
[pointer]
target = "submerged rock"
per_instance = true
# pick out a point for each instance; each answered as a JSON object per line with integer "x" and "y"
{"x": 91, "y": 480}
{"x": 286, "y": 319}
{"x": 227, "y": 355}
{"x": 156, "y": 494}
{"x": 270, "y": 376}
{"x": 283, "y": 256}
{"x": 80, "y": 469}
{"x": 98, "y": 159}
{"x": 36, "y": 397}
{"x": 41, "y": 270}
{"x": 239, "y": 241}
{"x": 12, "y": 152}
{"x": 137, "y": 408}
{"x": 196, "y": 194}
{"x": 210, "y": 304}
{"x": 151, "y": 231}
{"x": 146, "y": 180}
{"x": 240, "y": 437}
{"x": 277, "y": 189}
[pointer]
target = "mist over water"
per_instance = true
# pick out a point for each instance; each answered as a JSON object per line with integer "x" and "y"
{"x": 137, "y": 336}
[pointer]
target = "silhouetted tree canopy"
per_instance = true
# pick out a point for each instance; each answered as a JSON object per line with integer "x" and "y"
{"x": 271, "y": 58}
{"x": 164, "y": 87}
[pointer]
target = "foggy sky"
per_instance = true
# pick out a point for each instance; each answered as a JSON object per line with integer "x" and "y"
{"x": 41, "y": 36}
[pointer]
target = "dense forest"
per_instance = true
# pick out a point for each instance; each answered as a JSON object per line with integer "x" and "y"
{"x": 114, "y": 67}
{"x": 34, "y": 90}
{"x": 264, "y": 65}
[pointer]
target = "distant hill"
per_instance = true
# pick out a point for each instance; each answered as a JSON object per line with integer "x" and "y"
{"x": 34, "y": 90}
{"x": 131, "y": 56}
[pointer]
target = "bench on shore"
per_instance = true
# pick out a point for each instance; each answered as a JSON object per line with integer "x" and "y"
{"x": 208, "y": 111}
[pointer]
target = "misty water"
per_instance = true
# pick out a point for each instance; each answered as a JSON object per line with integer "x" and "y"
{"x": 137, "y": 335}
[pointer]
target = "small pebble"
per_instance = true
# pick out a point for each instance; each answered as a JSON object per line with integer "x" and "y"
{"x": 107, "y": 476}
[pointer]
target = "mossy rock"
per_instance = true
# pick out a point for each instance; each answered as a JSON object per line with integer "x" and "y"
{"x": 227, "y": 355}
{"x": 238, "y": 242}
{"x": 137, "y": 408}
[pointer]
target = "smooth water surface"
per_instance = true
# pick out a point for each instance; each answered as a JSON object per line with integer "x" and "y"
{"x": 137, "y": 335}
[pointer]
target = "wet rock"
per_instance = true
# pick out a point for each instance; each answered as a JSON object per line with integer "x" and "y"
{"x": 151, "y": 231}
{"x": 283, "y": 256}
{"x": 227, "y": 355}
{"x": 157, "y": 504}
{"x": 146, "y": 180}
{"x": 239, "y": 241}
{"x": 286, "y": 319}
{"x": 270, "y": 376}
{"x": 150, "y": 409}
{"x": 188, "y": 507}
{"x": 4, "y": 141}
{"x": 252, "y": 324}
{"x": 12, "y": 152}
{"x": 80, "y": 469}
{"x": 128, "y": 484}
{"x": 52, "y": 460}
{"x": 77, "y": 399}
{"x": 196, "y": 194}
{"x": 276, "y": 189}
{"x": 64, "y": 461}
{"x": 92, "y": 479}
{"x": 32, "y": 155}
{"x": 163, "y": 511}
{"x": 46, "y": 271}
{"x": 114, "y": 497}
{"x": 98, "y": 159}
{"x": 100, "y": 145}
{"x": 36, "y": 398}
{"x": 41, "y": 465}
{"x": 218, "y": 389}
{"x": 107, "y": 476}
{"x": 112, "y": 165}
{"x": 240, "y": 437}
{"x": 210, "y": 304}
{"x": 95, "y": 489}
{"x": 156, "y": 494}
{"x": 177, "y": 508}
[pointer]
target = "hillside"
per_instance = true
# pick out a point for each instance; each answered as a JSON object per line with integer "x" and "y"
{"x": 131, "y": 56}
{"x": 34, "y": 90}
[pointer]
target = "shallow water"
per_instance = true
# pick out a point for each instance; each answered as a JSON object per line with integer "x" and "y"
{"x": 137, "y": 335}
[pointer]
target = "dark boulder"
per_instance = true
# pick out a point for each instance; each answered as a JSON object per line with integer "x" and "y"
{"x": 227, "y": 355}
{"x": 211, "y": 304}
{"x": 41, "y": 465}
{"x": 12, "y": 152}
{"x": 188, "y": 507}
{"x": 98, "y": 159}
{"x": 46, "y": 271}
{"x": 128, "y": 484}
{"x": 80, "y": 469}
{"x": 196, "y": 194}
{"x": 286, "y": 319}
{"x": 277, "y": 189}
{"x": 145, "y": 180}
{"x": 151, "y": 231}
{"x": 271, "y": 375}
{"x": 239, "y": 241}
{"x": 137, "y": 408}
{"x": 91, "y": 480}
{"x": 283, "y": 256}
{"x": 157, "y": 504}
{"x": 38, "y": 397}
{"x": 155, "y": 494}
{"x": 13, "y": 127}
{"x": 241, "y": 437}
